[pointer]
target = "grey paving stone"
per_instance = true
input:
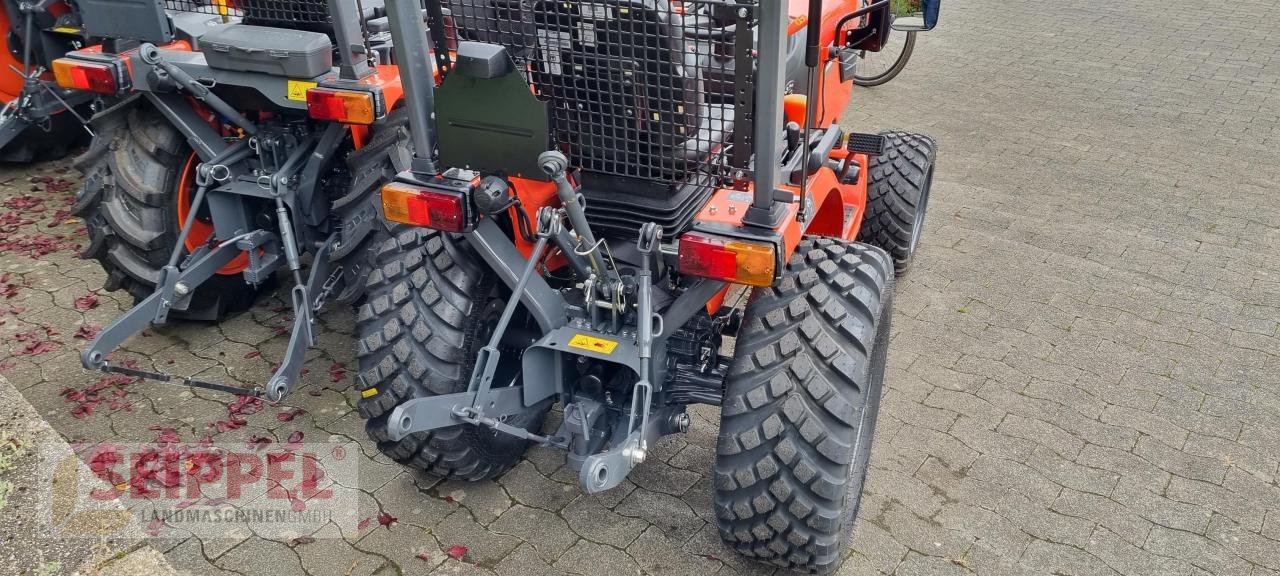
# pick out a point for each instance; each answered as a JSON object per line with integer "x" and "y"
{"x": 591, "y": 520}
{"x": 529, "y": 487}
{"x": 549, "y": 534}
{"x": 591, "y": 559}
{"x": 483, "y": 547}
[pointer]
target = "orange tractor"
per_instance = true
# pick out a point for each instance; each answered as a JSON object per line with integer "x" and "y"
{"x": 532, "y": 203}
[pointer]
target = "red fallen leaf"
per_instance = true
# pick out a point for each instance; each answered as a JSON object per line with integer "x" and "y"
{"x": 6, "y": 365}
{"x": 252, "y": 354}
{"x": 297, "y": 505}
{"x": 449, "y": 500}
{"x": 8, "y": 290}
{"x": 279, "y": 330}
{"x": 38, "y": 348}
{"x": 386, "y": 519}
{"x": 58, "y": 185}
{"x": 25, "y": 202}
{"x": 289, "y": 415}
{"x": 314, "y": 392}
{"x": 82, "y": 411}
{"x": 215, "y": 501}
{"x": 457, "y": 551}
{"x": 337, "y": 372}
{"x": 295, "y": 437}
{"x": 87, "y": 332}
{"x": 153, "y": 527}
{"x": 59, "y": 217}
{"x": 299, "y": 541}
{"x": 363, "y": 523}
{"x": 166, "y": 434}
{"x": 87, "y": 302}
{"x": 244, "y": 405}
{"x": 423, "y": 557}
{"x": 255, "y": 441}
{"x": 206, "y": 440}
{"x": 168, "y": 361}
{"x": 185, "y": 505}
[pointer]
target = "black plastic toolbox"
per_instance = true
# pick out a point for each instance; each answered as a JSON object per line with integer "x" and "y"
{"x": 276, "y": 51}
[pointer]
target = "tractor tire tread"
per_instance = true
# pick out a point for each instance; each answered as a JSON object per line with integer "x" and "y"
{"x": 897, "y": 179}
{"x": 417, "y": 333}
{"x": 804, "y": 383}
{"x": 127, "y": 200}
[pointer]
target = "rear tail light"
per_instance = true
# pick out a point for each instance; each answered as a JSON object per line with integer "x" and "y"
{"x": 731, "y": 260}
{"x": 345, "y": 106}
{"x": 100, "y": 77}
{"x": 421, "y": 207}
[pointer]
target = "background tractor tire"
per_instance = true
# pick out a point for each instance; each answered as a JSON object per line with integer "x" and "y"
{"x": 800, "y": 406}
{"x": 898, "y": 196}
{"x": 129, "y": 202}
{"x": 428, "y": 308}
{"x": 64, "y": 135}
{"x": 357, "y": 208}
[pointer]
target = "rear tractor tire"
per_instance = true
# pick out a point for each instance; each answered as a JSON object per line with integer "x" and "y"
{"x": 431, "y": 304}
{"x": 800, "y": 406}
{"x": 898, "y": 196}
{"x": 133, "y": 171}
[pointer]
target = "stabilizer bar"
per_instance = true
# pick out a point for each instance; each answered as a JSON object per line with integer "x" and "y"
{"x": 192, "y": 382}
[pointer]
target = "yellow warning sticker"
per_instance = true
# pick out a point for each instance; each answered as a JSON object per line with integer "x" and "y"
{"x": 297, "y": 89}
{"x": 66, "y": 29}
{"x": 593, "y": 344}
{"x": 369, "y": 393}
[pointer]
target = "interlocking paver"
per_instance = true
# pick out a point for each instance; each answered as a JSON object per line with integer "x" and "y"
{"x": 1083, "y": 376}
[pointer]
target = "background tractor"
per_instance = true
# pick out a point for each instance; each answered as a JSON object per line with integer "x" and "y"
{"x": 590, "y": 197}
{"x": 39, "y": 120}
{"x": 232, "y": 140}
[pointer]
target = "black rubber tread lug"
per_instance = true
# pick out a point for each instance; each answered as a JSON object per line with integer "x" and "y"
{"x": 799, "y": 406}
{"x": 417, "y": 337}
{"x": 898, "y": 177}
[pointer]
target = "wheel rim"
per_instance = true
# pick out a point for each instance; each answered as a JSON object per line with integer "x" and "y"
{"x": 922, "y": 206}
{"x": 201, "y": 231}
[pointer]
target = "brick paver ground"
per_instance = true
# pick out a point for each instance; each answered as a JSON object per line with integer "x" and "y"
{"x": 1085, "y": 361}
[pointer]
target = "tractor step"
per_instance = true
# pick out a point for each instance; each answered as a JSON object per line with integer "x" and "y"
{"x": 870, "y": 144}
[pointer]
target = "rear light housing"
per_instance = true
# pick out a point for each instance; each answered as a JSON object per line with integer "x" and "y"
{"x": 729, "y": 259}
{"x": 102, "y": 77}
{"x": 348, "y": 106}
{"x": 421, "y": 206}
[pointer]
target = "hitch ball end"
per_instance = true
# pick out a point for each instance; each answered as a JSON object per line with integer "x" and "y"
{"x": 553, "y": 163}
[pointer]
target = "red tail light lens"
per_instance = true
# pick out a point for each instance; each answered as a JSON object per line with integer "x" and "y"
{"x": 345, "y": 106}
{"x": 99, "y": 77}
{"x": 731, "y": 260}
{"x": 427, "y": 208}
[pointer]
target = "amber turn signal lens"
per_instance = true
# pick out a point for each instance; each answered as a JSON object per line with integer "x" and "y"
{"x": 426, "y": 208}
{"x": 736, "y": 261}
{"x": 345, "y": 106}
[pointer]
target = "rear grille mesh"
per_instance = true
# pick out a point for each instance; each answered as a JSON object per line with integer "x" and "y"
{"x": 637, "y": 86}
{"x": 304, "y": 14}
